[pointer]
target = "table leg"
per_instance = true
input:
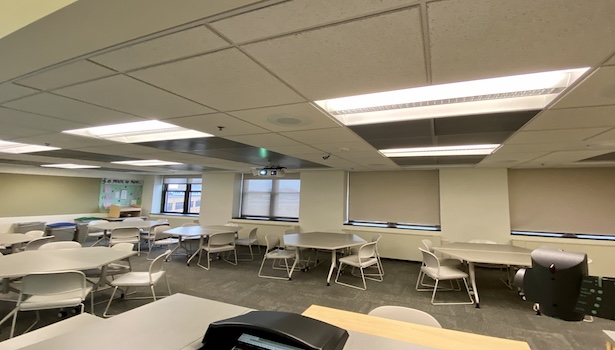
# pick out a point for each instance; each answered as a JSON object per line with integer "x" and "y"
{"x": 473, "y": 281}
{"x": 197, "y": 251}
{"x": 292, "y": 269}
{"x": 333, "y": 266}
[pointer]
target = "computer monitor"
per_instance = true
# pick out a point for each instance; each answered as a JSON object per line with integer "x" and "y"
{"x": 554, "y": 282}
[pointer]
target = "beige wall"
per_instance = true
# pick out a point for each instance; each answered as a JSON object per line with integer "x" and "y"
{"x": 323, "y": 200}
{"x": 218, "y": 197}
{"x": 27, "y": 195}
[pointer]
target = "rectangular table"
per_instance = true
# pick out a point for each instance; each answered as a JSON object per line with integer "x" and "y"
{"x": 323, "y": 241}
{"x": 499, "y": 254}
{"x": 438, "y": 338}
{"x": 141, "y": 224}
{"x": 198, "y": 231}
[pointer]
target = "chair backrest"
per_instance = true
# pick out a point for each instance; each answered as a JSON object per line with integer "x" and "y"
{"x": 158, "y": 232}
{"x": 35, "y": 234}
{"x": 367, "y": 250}
{"x": 430, "y": 259}
{"x": 50, "y": 283}
{"x": 125, "y": 233}
{"x": 157, "y": 264}
{"x": 133, "y": 219}
{"x": 38, "y": 242}
{"x": 60, "y": 245}
{"x": 405, "y": 314}
{"x": 124, "y": 246}
{"x": 252, "y": 234}
{"x": 273, "y": 242}
{"x": 222, "y": 238}
{"x": 428, "y": 244}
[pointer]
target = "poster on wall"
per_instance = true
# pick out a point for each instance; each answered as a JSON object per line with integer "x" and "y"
{"x": 122, "y": 192}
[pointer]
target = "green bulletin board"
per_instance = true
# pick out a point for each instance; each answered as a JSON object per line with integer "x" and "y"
{"x": 119, "y": 192}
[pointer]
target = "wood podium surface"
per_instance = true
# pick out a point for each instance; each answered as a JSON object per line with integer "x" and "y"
{"x": 438, "y": 338}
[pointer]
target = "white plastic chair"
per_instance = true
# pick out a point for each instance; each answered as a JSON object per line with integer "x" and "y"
{"x": 95, "y": 232}
{"x": 432, "y": 268}
{"x": 161, "y": 239}
{"x": 249, "y": 241}
{"x": 35, "y": 234}
{"x": 148, "y": 278}
{"x": 116, "y": 268}
{"x": 37, "y": 243}
{"x": 365, "y": 257}
{"x": 42, "y": 291}
{"x": 126, "y": 235}
{"x": 428, "y": 244}
{"x": 405, "y": 314}
{"x": 60, "y": 245}
{"x": 274, "y": 253}
{"x": 219, "y": 243}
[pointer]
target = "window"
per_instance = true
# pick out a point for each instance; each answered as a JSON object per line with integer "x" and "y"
{"x": 270, "y": 199}
{"x": 399, "y": 199}
{"x": 181, "y": 195}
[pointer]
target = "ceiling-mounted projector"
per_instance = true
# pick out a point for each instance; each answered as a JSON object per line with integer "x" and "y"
{"x": 269, "y": 171}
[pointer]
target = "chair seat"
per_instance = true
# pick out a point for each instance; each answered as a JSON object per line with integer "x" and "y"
{"x": 137, "y": 279}
{"x": 166, "y": 241}
{"x": 353, "y": 260}
{"x": 245, "y": 241}
{"x": 220, "y": 248}
{"x": 445, "y": 272}
{"x": 281, "y": 254}
{"x": 37, "y": 302}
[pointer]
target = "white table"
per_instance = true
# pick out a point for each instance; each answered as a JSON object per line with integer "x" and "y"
{"x": 499, "y": 254}
{"x": 175, "y": 322}
{"x": 108, "y": 226}
{"x": 324, "y": 241}
{"x": 9, "y": 239}
{"x": 198, "y": 231}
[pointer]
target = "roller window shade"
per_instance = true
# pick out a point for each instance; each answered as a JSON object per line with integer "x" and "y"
{"x": 401, "y": 197}
{"x": 562, "y": 200}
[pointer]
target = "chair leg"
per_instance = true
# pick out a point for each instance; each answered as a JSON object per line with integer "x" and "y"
{"x": 433, "y": 295}
{"x": 153, "y": 291}
{"x": 109, "y": 303}
{"x": 16, "y": 311}
{"x": 168, "y": 285}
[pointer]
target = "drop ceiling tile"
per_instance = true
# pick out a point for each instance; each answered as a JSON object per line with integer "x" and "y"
{"x": 566, "y": 157}
{"x": 68, "y": 109}
{"x": 597, "y": 89}
{"x": 131, "y": 150}
{"x": 611, "y": 61}
{"x": 473, "y": 39}
{"x": 607, "y": 138}
{"x": 211, "y": 123}
{"x": 345, "y": 147}
{"x": 569, "y": 118}
{"x": 301, "y": 116}
{"x": 264, "y": 140}
{"x": 315, "y": 137}
{"x": 10, "y": 91}
{"x": 12, "y": 132}
{"x": 550, "y": 136}
{"x": 491, "y": 138}
{"x": 188, "y": 42}
{"x": 225, "y": 80}
{"x": 35, "y": 121}
{"x": 69, "y": 74}
{"x": 534, "y": 147}
{"x": 128, "y": 95}
{"x": 283, "y": 18}
{"x": 378, "y": 53}
{"x": 294, "y": 150}
{"x": 66, "y": 141}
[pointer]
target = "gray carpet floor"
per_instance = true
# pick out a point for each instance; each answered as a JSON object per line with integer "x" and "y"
{"x": 502, "y": 314}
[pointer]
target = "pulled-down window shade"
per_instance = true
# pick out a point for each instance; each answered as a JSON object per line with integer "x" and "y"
{"x": 398, "y": 196}
{"x": 563, "y": 200}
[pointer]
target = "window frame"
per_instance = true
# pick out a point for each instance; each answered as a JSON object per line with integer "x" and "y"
{"x": 273, "y": 197}
{"x": 188, "y": 192}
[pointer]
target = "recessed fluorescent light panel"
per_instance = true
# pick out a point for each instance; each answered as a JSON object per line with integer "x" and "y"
{"x": 505, "y": 94}
{"x": 17, "y": 148}
{"x": 70, "y": 166}
{"x": 151, "y": 130}
{"x": 468, "y": 150}
{"x": 146, "y": 162}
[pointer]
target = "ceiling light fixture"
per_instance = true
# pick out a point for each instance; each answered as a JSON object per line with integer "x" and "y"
{"x": 504, "y": 94}
{"x": 146, "y": 131}
{"x": 17, "y": 148}
{"x": 70, "y": 166}
{"x": 146, "y": 162}
{"x": 467, "y": 150}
